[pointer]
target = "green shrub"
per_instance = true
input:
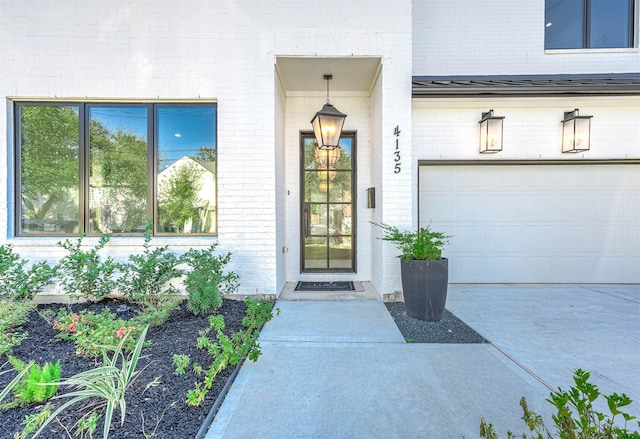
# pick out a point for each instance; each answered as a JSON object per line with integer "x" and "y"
{"x": 38, "y": 384}
{"x": 421, "y": 244}
{"x": 206, "y": 282}
{"x": 91, "y": 332}
{"x": 575, "y": 416}
{"x": 12, "y": 315}
{"x": 83, "y": 273}
{"x": 181, "y": 362}
{"x": 227, "y": 351}
{"x": 145, "y": 281}
{"x": 146, "y": 276}
{"x": 19, "y": 282}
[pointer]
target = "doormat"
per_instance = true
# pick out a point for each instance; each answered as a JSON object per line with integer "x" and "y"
{"x": 325, "y": 286}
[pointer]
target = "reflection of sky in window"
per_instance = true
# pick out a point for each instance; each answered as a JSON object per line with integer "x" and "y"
{"x": 344, "y": 143}
{"x": 609, "y": 23}
{"x": 183, "y": 131}
{"x": 131, "y": 120}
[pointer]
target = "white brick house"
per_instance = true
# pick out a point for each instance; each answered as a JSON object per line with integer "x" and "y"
{"x": 413, "y": 77}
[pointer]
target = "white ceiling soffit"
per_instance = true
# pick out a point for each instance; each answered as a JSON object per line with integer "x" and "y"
{"x": 305, "y": 75}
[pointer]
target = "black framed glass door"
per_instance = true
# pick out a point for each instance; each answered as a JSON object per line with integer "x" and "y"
{"x": 328, "y": 206}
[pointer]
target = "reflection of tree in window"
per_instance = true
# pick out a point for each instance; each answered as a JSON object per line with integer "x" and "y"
{"x": 49, "y": 174}
{"x": 206, "y": 154}
{"x": 335, "y": 179}
{"x": 117, "y": 182}
{"x": 109, "y": 181}
{"x": 179, "y": 199}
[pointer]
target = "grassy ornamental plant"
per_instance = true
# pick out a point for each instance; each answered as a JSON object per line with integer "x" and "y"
{"x": 15, "y": 381}
{"x": 107, "y": 383}
{"x": 38, "y": 383}
{"x": 423, "y": 244}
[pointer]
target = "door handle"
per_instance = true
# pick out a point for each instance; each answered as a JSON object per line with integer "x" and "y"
{"x": 306, "y": 222}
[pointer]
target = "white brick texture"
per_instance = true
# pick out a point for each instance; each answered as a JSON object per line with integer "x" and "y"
{"x": 227, "y": 52}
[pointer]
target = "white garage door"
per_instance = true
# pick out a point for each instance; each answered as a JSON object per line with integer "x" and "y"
{"x": 541, "y": 223}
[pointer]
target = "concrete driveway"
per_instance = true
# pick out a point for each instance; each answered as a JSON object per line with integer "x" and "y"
{"x": 554, "y": 329}
{"x": 341, "y": 369}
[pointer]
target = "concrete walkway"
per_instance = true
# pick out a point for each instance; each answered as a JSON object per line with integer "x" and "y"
{"x": 342, "y": 369}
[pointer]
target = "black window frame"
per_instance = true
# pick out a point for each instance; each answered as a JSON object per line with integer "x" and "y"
{"x": 353, "y": 135}
{"x": 586, "y": 23}
{"x": 83, "y": 165}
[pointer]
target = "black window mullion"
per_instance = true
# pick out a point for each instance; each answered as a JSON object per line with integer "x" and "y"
{"x": 83, "y": 171}
{"x": 586, "y": 37}
{"x": 17, "y": 170}
{"x": 152, "y": 210}
{"x": 632, "y": 16}
{"x": 80, "y": 131}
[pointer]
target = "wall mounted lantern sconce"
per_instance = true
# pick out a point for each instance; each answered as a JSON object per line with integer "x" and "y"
{"x": 576, "y": 132}
{"x": 327, "y": 123}
{"x": 490, "y": 133}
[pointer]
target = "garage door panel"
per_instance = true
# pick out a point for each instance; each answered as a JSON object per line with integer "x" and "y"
{"x": 544, "y": 240}
{"x": 528, "y": 206}
{"x": 536, "y": 223}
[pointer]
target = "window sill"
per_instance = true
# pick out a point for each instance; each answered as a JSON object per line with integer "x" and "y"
{"x": 181, "y": 241}
{"x": 590, "y": 51}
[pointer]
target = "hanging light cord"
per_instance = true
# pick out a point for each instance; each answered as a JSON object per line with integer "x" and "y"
{"x": 328, "y": 78}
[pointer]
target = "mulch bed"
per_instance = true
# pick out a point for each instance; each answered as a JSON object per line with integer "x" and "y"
{"x": 450, "y": 329}
{"x": 159, "y": 411}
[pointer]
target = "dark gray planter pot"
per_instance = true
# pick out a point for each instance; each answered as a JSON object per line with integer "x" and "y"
{"x": 424, "y": 287}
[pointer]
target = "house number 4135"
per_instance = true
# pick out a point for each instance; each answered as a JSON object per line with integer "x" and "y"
{"x": 396, "y": 153}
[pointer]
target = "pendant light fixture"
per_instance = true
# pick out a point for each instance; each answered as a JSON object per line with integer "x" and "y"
{"x": 327, "y": 123}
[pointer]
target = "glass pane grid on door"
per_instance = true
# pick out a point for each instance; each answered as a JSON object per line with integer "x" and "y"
{"x": 327, "y": 207}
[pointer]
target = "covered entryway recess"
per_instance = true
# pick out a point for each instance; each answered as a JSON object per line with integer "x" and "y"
{"x": 554, "y": 221}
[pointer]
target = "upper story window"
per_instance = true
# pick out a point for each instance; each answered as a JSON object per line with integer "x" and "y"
{"x": 110, "y": 168}
{"x": 581, "y": 24}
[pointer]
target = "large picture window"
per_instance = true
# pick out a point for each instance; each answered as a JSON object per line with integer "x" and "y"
{"x": 580, "y": 24}
{"x": 110, "y": 168}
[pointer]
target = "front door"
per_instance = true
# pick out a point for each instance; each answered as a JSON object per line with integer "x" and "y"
{"x": 327, "y": 207}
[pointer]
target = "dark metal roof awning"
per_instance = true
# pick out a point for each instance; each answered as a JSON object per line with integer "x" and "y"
{"x": 526, "y": 85}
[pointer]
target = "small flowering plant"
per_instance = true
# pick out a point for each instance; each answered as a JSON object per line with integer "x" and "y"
{"x": 91, "y": 332}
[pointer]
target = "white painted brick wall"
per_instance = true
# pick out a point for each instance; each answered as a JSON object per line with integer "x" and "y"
{"x": 448, "y": 128}
{"x": 377, "y": 273}
{"x": 227, "y": 51}
{"x": 497, "y": 37}
{"x": 224, "y": 51}
{"x": 282, "y": 222}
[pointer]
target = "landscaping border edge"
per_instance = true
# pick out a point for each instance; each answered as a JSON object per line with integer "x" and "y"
{"x": 204, "y": 428}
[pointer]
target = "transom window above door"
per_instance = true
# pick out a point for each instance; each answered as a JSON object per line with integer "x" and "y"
{"x": 96, "y": 168}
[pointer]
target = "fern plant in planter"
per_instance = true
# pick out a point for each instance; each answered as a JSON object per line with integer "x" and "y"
{"x": 425, "y": 273}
